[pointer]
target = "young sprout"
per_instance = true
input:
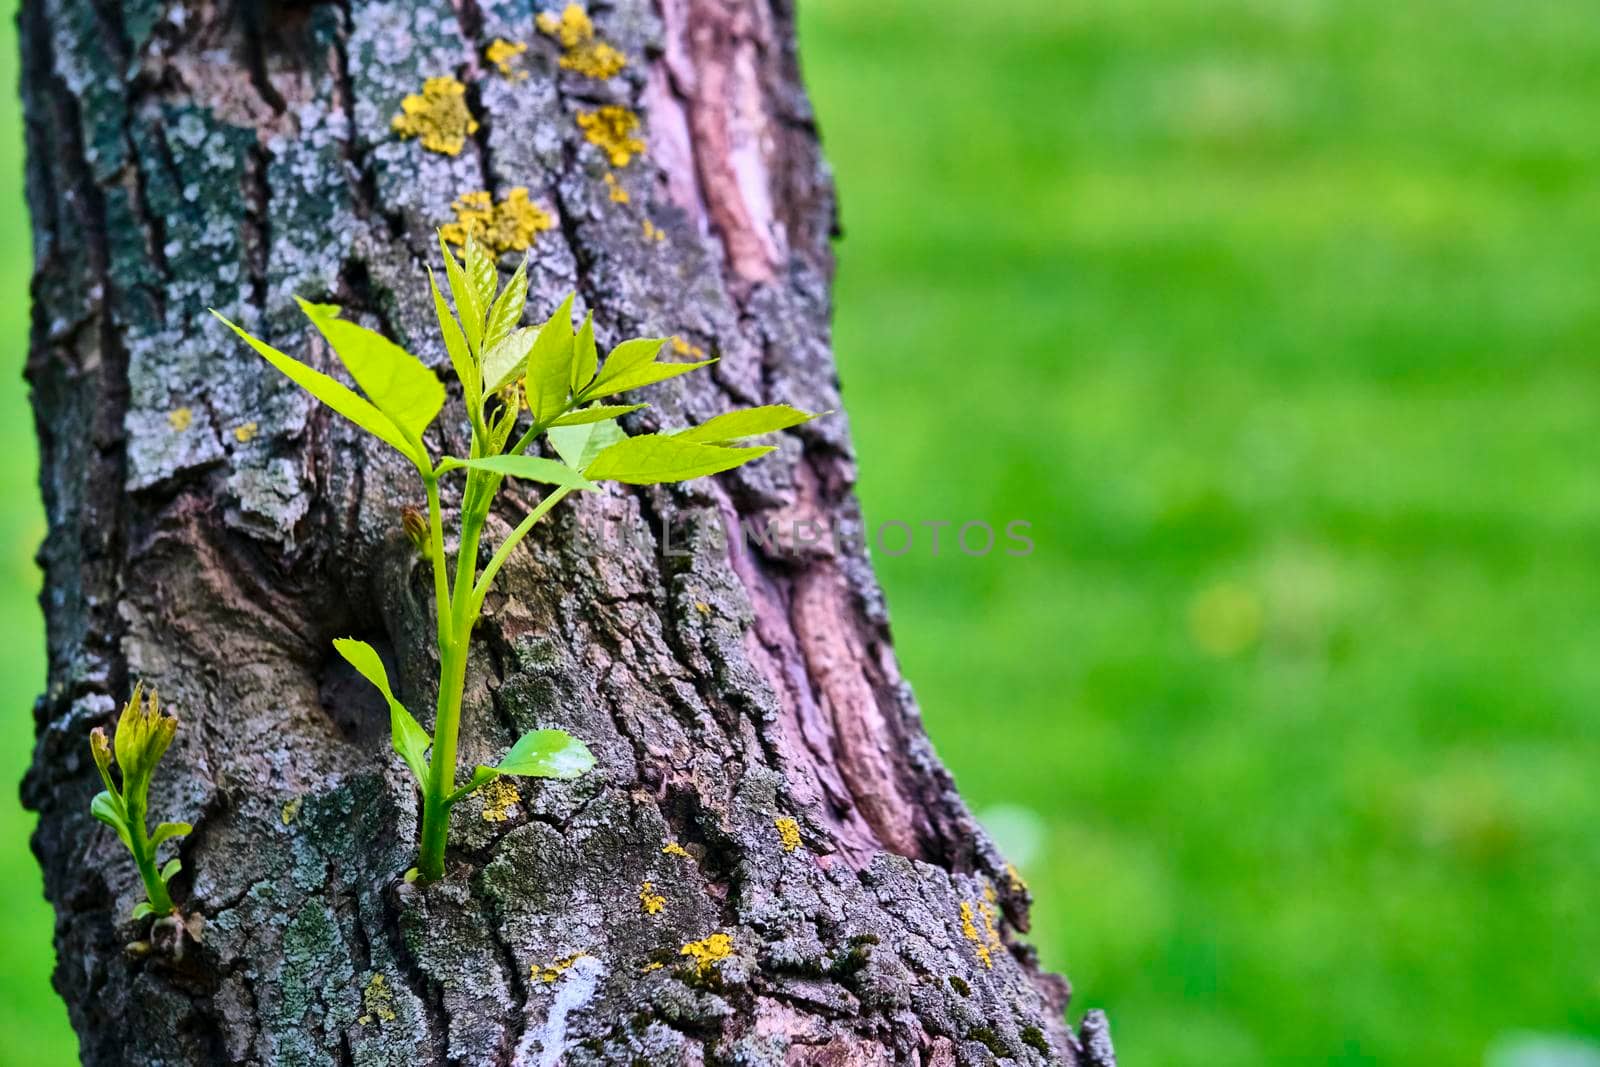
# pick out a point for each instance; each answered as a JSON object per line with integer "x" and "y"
{"x": 143, "y": 734}
{"x": 554, "y": 375}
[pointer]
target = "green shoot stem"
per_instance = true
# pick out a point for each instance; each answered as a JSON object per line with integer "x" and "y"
{"x": 144, "y": 857}
{"x": 457, "y": 612}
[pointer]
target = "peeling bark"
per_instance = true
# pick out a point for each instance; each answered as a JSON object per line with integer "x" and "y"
{"x": 185, "y": 156}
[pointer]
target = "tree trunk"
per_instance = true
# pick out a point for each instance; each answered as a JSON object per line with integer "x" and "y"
{"x": 211, "y": 530}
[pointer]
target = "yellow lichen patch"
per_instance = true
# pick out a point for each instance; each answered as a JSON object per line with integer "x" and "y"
{"x": 377, "y": 1002}
{"x": 969, "y": 930}
{"x": 703, "y": 608}
{"x": 509, "y": 226}
{"x": 652, "y": 232}
{"x": 684, "y": 348}
{"x": 611, "y": 129}
{"x": 708, "y": 951}
{"x": 245, "y": 433}
{"x": 499, "y": 797}
{"x": 551, "y": 971}
{"x": 788, "y": 833}
{"x": 596, "y": 60}
{"x": 672, "y": 848}
{"x": 572, "y": 27}
{"x": 651, "y": 901}
{"x": 1014, "y": 879}
{"x": 619, "y": 195}
{"x": 501, "y": 53}
{"x": 291, "y": 809}
{"x": 653, "y": 965}
{"x": 180, "y": 418}
{"x": 439, "y": 116}
{"x": 586, "y": 53}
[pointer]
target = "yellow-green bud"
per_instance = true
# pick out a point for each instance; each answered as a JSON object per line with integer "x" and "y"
{"x": 143, "y": 734}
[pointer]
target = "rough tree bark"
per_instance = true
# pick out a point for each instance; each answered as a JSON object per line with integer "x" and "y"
{"x": 211, "y": 530}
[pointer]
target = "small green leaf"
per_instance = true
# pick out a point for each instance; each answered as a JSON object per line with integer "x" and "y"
{"x": 168, "y": 830}
{"x": 641, "y": 376}
{"x": 584, "y": 357}
{"x": 172, "y": 867}
{"x": 578, "y": 445}
{"x": 481, "y": 271}
{"x": 596, "y": 413}
{"x": 547, "y": 754}
{"x": 107, "y": 807}
{"x": 345, "y": 401}
{"x": 528, "y": 468}
{"x": 625, "y": 358}
{"x": 468, "y": 309}
{"x": 407, "y": 736}
{"x": 456, "y": 344}
{"x": 505, "y": 361}
{"x": 393, "y": 379}
{"x": 141, "y": 909}
{"x": 549, "y": 373}
{"x": 751, "y": 422}
{"x": 507, "y": 310}
{"x": 651, "y": 458}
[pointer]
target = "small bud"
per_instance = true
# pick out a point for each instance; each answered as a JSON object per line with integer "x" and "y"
{"x": 100, "y": 747}
{"x": 416, "y": 528}
{"x": 143, "y": 734}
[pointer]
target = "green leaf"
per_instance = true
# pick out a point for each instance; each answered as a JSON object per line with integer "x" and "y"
{"x": 456, "y": 344}
{"x": 408, "y": 737}
{"x": 172, "y": 867}
{"x": 584, "y": 357}
{"x": 481, "y": 271}
{"x": 641, "y": 376}
{"x": 504, "y": 362}
{"x": 549, "y": 374}
{"x": 547, "y": 754}
{"x": 528, "y": 468}
{"x": 107, "y": 807}
{"x": 169, "y": 830}
{"x": 596, "y": 413}
{"x": 651, "y": 458}
{"x": 393, "y": 379}
{"x": 468, "y": 309}
{"x": 626, "y": 357}
{"x": 736, "y": 425}
{"x": 579, "y": 445}
{"x": 507, "y": 310}
{"x": 345, "y": 401}
{"x": 141, "y": 909}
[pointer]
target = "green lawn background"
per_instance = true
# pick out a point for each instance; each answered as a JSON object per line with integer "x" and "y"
{"x": 1278, "y": 320}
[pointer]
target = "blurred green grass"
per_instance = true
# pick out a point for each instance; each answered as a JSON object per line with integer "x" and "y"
{"x": 1277, "y": 319}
